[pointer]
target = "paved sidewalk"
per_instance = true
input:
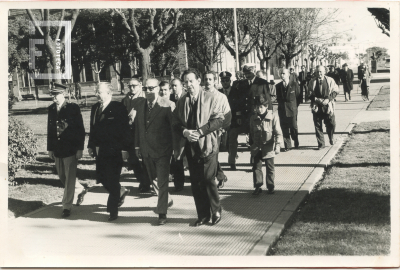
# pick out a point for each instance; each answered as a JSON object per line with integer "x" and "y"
{"x": 249, "y": 224}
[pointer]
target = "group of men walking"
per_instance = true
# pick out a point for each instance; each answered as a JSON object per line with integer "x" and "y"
{"x": 155, "y": 127}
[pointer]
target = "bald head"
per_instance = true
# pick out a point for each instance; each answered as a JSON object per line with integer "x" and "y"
{"x": 284, "y": 74}
{"x": 152, "y": 82}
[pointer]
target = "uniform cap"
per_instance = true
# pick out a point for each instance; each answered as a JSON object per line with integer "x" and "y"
{"x": 345, "y": 65}
{"x": 225, "y": 74}
{"x": 57, "y": 88}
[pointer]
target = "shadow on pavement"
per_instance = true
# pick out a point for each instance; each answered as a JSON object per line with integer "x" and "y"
{"x": 19, "y": 207}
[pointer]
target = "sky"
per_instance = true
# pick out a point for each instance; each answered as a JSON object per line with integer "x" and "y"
{"x": 361, "y": 24}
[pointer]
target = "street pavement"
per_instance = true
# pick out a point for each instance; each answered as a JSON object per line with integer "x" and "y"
{"x": 250, "y": 224}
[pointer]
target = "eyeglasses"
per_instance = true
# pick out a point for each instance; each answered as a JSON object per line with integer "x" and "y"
{"x": 133, "y": 85}
{"x": 149, "y": 88}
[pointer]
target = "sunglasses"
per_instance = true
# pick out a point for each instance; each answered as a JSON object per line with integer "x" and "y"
{"x": 149, "y": 88}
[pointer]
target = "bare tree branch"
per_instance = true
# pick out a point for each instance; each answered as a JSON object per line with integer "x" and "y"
{"x": 35, "y": 22}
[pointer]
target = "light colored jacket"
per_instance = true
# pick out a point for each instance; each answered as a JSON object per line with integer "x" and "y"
{"x": 265, "y": 135}
{"x": 211, "y": 106}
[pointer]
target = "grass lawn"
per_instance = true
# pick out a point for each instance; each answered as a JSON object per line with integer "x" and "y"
{"x": 348, "y": 213}
{"x": 382, "y": 101}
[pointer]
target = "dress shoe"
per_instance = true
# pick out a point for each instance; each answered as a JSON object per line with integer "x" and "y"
{"x": 321, "y": 147}
{"x": 201, "y": 221}
{"x": 171, "y": 203}
{"x": 122, "y": 198}
{"x": 349, "y": 97}
{"x": 216, "y": 217}
{"x": 285, "y": 149}
{"x": 257, "y": 191}
{"x": 144, "y": 189}
{"x": 81, "y": 196}
{"x": 296, "y": 145}
{"x": 162, "y": 219}
{"x": 66, "y": 213}
{"x": 178, "y": 189}
{"x": 113, "y": 217}
{"x": 270, "y": 191}
{"x": 233, "y": 167}
{"x": 331, "y": 142}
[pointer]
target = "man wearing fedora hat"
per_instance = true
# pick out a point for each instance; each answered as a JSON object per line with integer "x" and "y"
{"x": 65, "y": 140}
{"x": 347, "y": 76}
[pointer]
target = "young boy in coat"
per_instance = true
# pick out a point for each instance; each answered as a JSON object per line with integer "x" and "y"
{"x": 265, "y": 142}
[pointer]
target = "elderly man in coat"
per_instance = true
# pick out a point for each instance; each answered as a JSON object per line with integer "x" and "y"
{"x": 347, "y": 76}
{"x": 322, "y": 92}
{"x": 198, "y": 119}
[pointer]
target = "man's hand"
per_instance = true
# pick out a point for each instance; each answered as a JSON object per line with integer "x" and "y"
{"x": 325, "y": 102}
{"x": 191, "y": 135}
{"x": 51, "y": 155}
{"x": 79, "y": 154}
{"x": 138, "y": 153}
{"x": 125, "y": 155}
{"x": 90, "y": 152}
{"x": 277, "y": 150}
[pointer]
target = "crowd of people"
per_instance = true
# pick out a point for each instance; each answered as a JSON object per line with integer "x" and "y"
{"x": 163, "y": 125}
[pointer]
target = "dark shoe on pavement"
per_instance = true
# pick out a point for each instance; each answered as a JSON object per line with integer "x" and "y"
{"x": 144, "y": 189}
{"x": 81, "y": 196}
{"x": 202, "y": 221}
{"x": 66, "y": 213}
{"x": 171, "y": 203}
{"x": 233, "y": 167}
{"x": 216, "y": 217}
{"x": 331, "y": 142}
{"x": 296, "y": 144}
{"x": 113, "y": 217}
{"x": 270, "y": 191}
{"x": 162, "y": 219}
{"x": 122, "y": 198}
{"x": 178, "y": 189}
{"x": 257, "y": 191}
{"x": 321, "y": 147}
{"x": 285, "y": 149}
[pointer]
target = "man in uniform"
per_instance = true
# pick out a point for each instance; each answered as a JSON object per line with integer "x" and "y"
{"x": 65, "y": 140}
{"x": 199, "y": 136}
{"x": 109, "y": 142}
{"x": 347, "y": 76}
{"x": 322, "y": 91}
{"x": 287, "y": 92}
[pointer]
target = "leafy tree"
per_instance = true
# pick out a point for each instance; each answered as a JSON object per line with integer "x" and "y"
{"x": 377, "y": 53}
{"x": 18, "y": 41}
{"x": 382, "y": 19}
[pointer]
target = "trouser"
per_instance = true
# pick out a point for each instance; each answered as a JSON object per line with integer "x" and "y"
{"x": 258, "y": 174}
{"x": 289, "y": 129}
{"x": 202, "y": 178}
{"x": 139, "y": 169}
{"x": 330, "y": 125}
{"x": 161, "y": 166}
{"x": 108, "y": 171}
{"x": 66, "y": 169}
{"x": 303, "y": 88}
{"x": 233, "y": 141}
{"x": 220, "y": 173}
{"x": 178, "y": 171}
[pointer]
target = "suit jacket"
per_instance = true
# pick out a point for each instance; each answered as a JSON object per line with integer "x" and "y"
{"x": 110, "y": 130}
{"x": 302, "y": 77}
{"x": 329, "y": 89}
{"x": 173, "y": 99}
{"x": 365, "y": 75}
{"x": 287, "y": 98}
{"x": 239, "y": 105}
{"x": 153, "y": 130}
{"x": 347, "y": 78}
{"x": 65, "y": 130}
{"x": 209, "y": 119}
{"x": 334, "y": 75}
{"x": 261, "y": 86}
{"x": 293, "y": 76}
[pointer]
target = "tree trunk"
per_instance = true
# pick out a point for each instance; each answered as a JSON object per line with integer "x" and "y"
{"x": 287, "y": 60}
{"x": 54, "y": 69}
{"x": 268, "y": 69}
{"x": 145, "y": 63}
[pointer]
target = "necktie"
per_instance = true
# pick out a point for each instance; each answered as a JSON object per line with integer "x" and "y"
{"x": 150, "y": 105}
{"x": 193, "y": 100}
{"x": 176, "y": 97}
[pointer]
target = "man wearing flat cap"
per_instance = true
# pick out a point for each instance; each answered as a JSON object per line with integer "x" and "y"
{"x": 347, "y": 76}
{"x": 238, "y": 101}
{"x": 65, "y": 140}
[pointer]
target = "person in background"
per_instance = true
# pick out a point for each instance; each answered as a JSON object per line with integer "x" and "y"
{"x": 322, "y": 91}
{"x": 130, "y": 101}
{"x": 176, "y": 90}
{"x": 265, "y": 143}
{"x": 347, "y": 76}
{"x": 287, "y": 92}
{"x": 109, "y": 142}
{"x": 293, "y": 76}
{"x": 365, "y": 79}
{"x": 65, "y": 140}
{"x": 303, "y": 85}
{"x": 262, "y": 74}
{"x": 165, "y": 91}
{"x": 333, "y": 74}
{"x": 310, "y": 75}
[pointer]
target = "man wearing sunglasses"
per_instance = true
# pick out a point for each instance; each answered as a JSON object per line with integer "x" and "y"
{"x": 153, "y": 142}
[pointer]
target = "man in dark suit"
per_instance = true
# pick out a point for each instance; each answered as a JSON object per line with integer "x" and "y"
{"x": 130, "y": 101}
{"x": 293, "y": 76}
{"x": 65, "y": 140}
{"x": 303, "y": 84}
{"x": 198, "y": 119}
{"x": 255, "y": 86}
{"x": 153, "y": 141}
{"x": 347, "y": 76}
{"x": 109, "y": 141}
{"x": 287, "y": 92}
{"x": 333, "y": 74}
{"x": 177, "y": 168}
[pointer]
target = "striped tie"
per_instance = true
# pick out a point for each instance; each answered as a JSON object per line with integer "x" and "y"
{"x": 150, "y": 106}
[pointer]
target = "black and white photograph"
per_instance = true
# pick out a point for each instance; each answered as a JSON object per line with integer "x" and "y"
{"x": 200, "y": 134}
